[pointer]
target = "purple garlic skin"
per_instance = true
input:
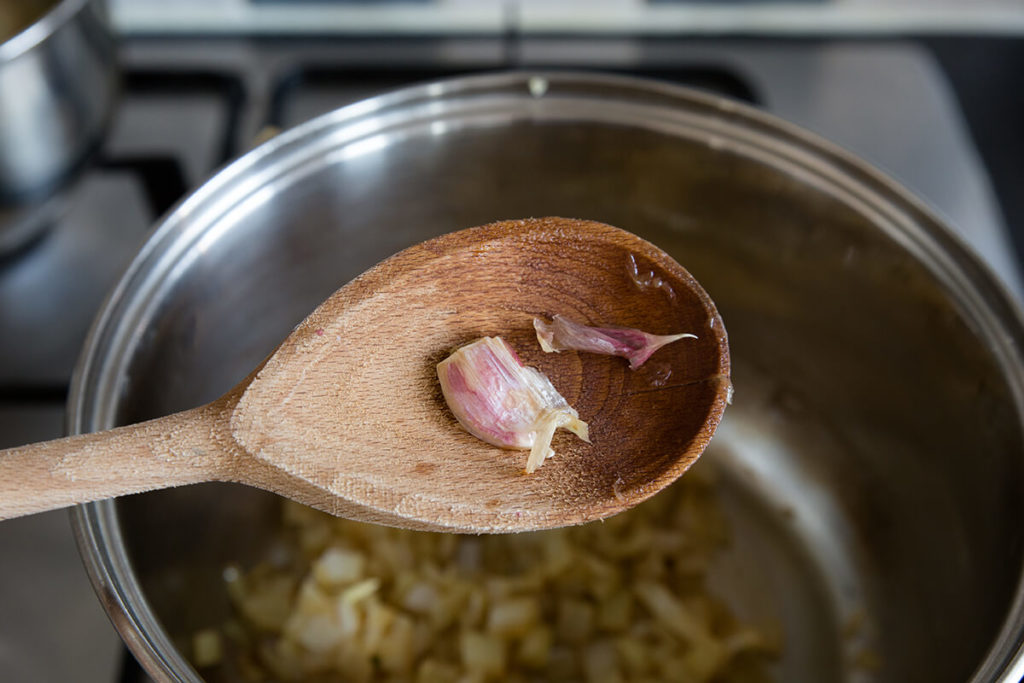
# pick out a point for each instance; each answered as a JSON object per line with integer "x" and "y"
{"x": 636, "y": 346}
{"x": 499, "y": 400}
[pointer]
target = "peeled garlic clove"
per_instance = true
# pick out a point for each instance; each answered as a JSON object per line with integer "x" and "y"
{"x": 634, "y": 345}
{"x": 499, "y": 400}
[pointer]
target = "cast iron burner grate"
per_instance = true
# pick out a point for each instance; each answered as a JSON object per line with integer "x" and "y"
{"x": 227, "y": 87}
{"x": 163, "y": 184}
{"x": 161, "y": 180}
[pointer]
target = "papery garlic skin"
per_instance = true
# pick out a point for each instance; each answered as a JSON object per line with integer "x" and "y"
{"x": 499, "y": 400}
{"x": 562, "y": 334}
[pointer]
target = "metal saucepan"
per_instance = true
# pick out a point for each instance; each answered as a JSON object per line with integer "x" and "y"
{"x": 872, "y": 465}
{"x": 58, "y": 79}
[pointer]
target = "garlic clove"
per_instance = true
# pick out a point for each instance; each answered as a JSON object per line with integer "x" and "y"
{"x": 499, "y": 400}
{"x": 636, "y": 346}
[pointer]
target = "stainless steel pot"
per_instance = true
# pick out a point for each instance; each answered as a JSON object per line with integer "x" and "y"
{"x": 57, "y": 84}
{"x": 872, "y": 465}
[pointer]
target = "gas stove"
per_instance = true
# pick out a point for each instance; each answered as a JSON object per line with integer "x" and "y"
{"x": 190, "y": 105}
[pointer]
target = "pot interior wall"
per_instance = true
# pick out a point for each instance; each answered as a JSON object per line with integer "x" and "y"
{"x": 870, "y": 464}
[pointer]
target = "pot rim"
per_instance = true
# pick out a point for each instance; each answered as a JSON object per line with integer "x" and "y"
{"x": 981, "y": 298}
{"x": 41, "y": 29}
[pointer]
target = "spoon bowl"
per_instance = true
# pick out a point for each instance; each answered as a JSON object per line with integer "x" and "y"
{"x": 347, "y": 414}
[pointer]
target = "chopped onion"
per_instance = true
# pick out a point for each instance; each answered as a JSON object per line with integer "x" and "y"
{"x": 621, "y": 600}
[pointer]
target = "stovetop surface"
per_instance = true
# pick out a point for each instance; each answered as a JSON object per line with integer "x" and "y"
{"x": 189, "y": 106}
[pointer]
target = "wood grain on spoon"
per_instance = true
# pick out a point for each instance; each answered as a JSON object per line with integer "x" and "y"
{"x": 347, "y": 414}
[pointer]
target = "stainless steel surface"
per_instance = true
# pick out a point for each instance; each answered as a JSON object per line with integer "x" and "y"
{"x": 831, "y": 88}
{"x": 889, "y": 104}
{"x": 57, "y": 83}
{"x": 872, "y": 463}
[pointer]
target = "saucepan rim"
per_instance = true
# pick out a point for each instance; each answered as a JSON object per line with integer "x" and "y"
{"x": 42, "y": 28}
{"x": 980, "y": 297}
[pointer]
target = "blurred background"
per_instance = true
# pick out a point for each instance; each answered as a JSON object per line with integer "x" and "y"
{"x": 111, "y": 113}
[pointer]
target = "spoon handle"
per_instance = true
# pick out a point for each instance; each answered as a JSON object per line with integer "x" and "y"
{"x": 182, "y": 448}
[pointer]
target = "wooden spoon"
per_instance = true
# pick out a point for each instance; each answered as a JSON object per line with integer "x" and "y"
{"x": 347, "y": 414}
